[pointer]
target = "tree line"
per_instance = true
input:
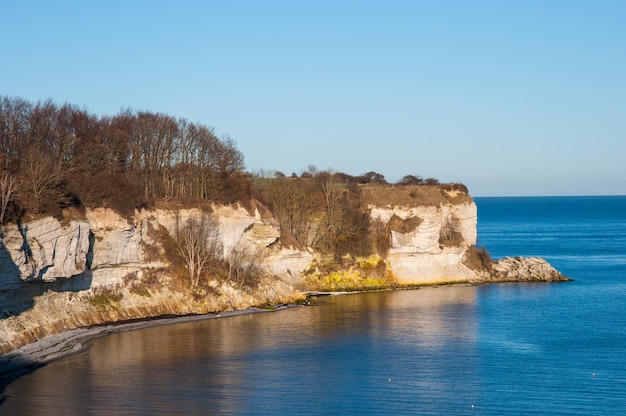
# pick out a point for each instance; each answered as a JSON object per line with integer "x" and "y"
{"x": 55, "y": 156}
{"x": 326, "y": 210}
{"x": 372, "y": 178}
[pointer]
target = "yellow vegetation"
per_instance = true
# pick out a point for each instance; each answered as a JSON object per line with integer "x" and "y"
{"x": 364, "y": 273}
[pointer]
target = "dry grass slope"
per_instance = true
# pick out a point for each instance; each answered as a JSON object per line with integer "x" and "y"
{"x": 416, "y": 195}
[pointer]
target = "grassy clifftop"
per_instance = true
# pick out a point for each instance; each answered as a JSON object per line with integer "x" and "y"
{"x": 415, "y": 195}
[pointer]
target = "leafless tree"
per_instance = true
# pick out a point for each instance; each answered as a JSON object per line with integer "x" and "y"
{"x": 243, "y": 264}
{"x": 14, "y": 124}
{"x": 150, "y": 156}
{"x": 449, "y": 234}
{"x": 8, "y": 187}
{"x": 295, "y": 203}
{"x": 198, "y": 244}
{"x": 39, "y": 174}
{"x": 331, "y": 188}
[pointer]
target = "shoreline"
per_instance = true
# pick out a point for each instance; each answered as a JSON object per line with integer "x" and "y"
{"x": 32, "y": 356}
{"x": 35, "y": 355}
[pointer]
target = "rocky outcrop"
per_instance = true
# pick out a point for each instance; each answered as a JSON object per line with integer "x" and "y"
{"x": 524, "y": 269}
{"x": 243, "y": 234}
{"x": 109, "y": 247}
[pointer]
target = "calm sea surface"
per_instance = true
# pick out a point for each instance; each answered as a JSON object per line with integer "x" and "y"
{"x": 509, "y": 349}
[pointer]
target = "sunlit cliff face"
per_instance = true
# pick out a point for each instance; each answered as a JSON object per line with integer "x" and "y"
{"x": 104, "y": 253}
{"x": 422, "y": 255}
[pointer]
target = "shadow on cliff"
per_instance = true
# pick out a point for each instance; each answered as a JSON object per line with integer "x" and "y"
{"x": 17, "y": 295}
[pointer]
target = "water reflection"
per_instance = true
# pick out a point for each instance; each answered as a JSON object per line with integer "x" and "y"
{"x": 356, "y": 353}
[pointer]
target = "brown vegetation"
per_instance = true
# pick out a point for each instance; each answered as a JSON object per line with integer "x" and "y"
{"x": 295, "y": 204}
{"x": 478, "y": 259}
{"x": 450, "y": 236}
{"x": 197, "y": 242}
{"x": 403, "y": 226}
{"x": 60, "y": 156}
{"x": 415, "y": 195}
{"x": 330, "y": 210}
{"x": 319, "y": 210}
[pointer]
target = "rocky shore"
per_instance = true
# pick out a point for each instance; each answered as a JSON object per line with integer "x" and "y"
{"x": 524, "y": 269}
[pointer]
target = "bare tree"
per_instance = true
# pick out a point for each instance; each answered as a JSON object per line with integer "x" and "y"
{"x": 332, "y": 191}
{"x": 198, "y": 244}
{"x": 344, "y": 223}
{"x": 295, "y": 204}
{"x": 243, "y": 264}
{"x": 39, "y": 174}
{"x": 151, "y": 156}
{"x": 14, "y": 119}
{"x": 449, "y": 235}
{"x": 7, "y": 190}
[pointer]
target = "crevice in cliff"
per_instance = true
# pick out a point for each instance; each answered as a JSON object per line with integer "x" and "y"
{"x": 89, "y": 257}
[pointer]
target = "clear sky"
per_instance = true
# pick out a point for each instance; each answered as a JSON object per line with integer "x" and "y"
{"x": 509, "y": 97}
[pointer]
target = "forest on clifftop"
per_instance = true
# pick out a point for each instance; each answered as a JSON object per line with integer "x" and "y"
{"x": 59, "y": 158}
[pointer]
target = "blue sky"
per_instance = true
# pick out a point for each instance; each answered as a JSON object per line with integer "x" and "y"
{"x": 509, "y": 97}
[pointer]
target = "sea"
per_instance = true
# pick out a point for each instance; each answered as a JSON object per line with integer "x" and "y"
{"x": 497, "y": 349}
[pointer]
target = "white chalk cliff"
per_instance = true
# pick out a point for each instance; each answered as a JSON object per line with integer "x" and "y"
{"x": 51, "y": 271}
{"x": 417, "y": 256}
{"x": 47, "y": 250}
{"x": 109, "y": 246}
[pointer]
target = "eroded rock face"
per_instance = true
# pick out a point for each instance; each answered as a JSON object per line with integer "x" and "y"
{"x": 111, "y": 247}
{"x": 289, "y": 264}
{"x": 417, "y": 254}
{"x": 428, "y": 245}
{"x": 116, "y": 242}
{"x": 525, "y": 269}
{"x": 232, "y": 222}
{"x": 46, "y": 250}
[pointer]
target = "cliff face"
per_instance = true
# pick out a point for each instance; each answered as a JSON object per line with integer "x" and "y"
{"x": 46, "y": 250}
{"x": 109, "y": 247}
{"x": 435, "y": 249}
{"x": 57, "y": 276}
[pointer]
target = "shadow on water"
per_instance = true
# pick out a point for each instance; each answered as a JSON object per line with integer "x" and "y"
{"x": 14, "y": 369}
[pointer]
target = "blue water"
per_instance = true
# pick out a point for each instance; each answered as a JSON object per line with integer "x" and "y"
{"x": 570, "y": 339}
{"x": 505, "y": 349}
